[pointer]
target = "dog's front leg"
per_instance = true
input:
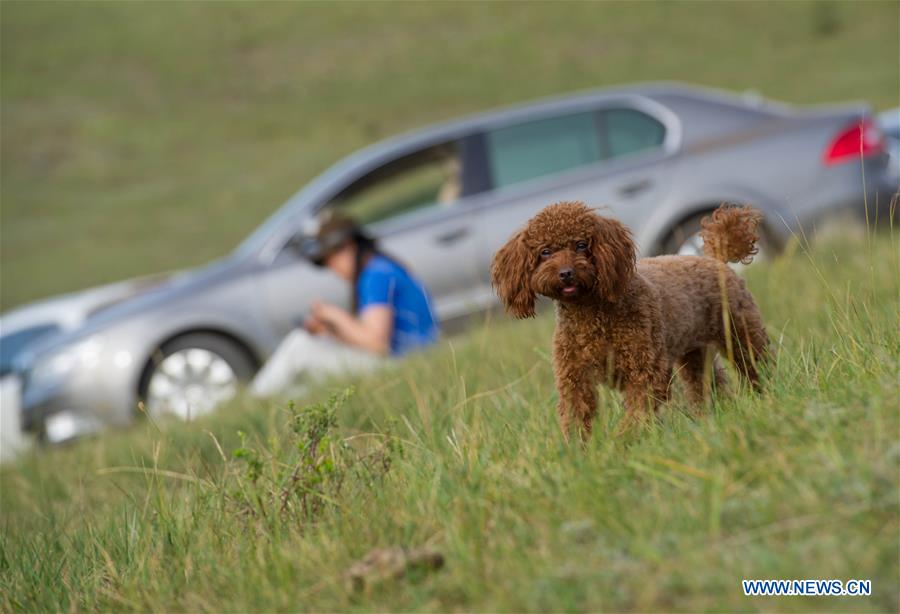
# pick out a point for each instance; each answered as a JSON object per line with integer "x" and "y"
{"x": 643, "y": 392}
{"x": 577, "y": 399}
{"x": 638, "y": 402}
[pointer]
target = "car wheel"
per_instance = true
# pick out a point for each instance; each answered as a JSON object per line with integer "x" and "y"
{"x": 192, "y": 375}
{"x": 685, "y": 240}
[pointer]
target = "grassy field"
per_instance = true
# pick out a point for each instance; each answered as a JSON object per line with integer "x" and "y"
{"x": 458, "y": 450}
{"x": 138, "y": 137}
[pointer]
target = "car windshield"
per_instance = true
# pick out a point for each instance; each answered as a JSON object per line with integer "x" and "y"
{"x": 293, "y": 208}
{"x": 302, "y": 204}
{"x": 11, "y": 345}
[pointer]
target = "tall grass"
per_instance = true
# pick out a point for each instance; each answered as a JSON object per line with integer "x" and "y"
{"x": 459, "y": 450}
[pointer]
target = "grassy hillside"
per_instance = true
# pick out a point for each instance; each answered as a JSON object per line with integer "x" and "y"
{"x": 140, "y": 137}
{"x": 458, "y": 450}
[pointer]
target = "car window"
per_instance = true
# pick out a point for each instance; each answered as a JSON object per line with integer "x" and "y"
{"x": 630, "y": 131}
{"x": 426, "y": 178}
{"x": 11, "y": 345}
{"x": 534, "y": 149}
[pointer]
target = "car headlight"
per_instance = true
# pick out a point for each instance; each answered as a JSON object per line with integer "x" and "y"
{"x": 60, "y": 363}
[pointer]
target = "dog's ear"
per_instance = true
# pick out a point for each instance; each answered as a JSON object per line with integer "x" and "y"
{"x": 614, "y": 254}
{"x": 511, "y": 276}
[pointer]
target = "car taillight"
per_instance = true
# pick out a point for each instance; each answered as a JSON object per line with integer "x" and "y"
{"x": 860, "y": 139}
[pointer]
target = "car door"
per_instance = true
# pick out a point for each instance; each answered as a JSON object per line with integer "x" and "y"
{"x": 614, "y": 157}
{"x": 416, "y": 205}
{"x": 287, "y": 287}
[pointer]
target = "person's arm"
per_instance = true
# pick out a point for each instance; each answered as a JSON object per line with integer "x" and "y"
{"x": 371, "y": 331}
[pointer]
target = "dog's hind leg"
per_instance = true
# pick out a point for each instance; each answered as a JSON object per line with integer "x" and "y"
{"x": 691, "y": 368}
{"x": 751, "y": 345}
{"x": 699, "y": 370}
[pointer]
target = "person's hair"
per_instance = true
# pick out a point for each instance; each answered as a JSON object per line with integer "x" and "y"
{"x": 366, "y": 248}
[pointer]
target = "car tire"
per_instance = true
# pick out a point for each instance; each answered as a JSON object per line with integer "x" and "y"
{"x": 191, "y": 375}
{"x": 684, "y": 240}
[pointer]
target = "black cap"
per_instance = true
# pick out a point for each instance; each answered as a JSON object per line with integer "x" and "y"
{"x": 332, "y": 231}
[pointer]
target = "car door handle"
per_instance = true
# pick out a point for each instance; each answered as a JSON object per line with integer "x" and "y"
{"x": 453, "y": 236}
{"x": 635, "y": 188}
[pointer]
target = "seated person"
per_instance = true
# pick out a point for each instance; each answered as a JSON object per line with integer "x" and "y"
{"x": 391, "y": 313}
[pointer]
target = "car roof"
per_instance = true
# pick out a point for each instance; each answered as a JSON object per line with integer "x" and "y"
{"x": 371, "y": 156}
{"x": 664, "y": 92}
{"x": 552, "y": 105}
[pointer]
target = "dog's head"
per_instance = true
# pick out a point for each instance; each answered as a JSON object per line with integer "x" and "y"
{"x": 567, "y": 253}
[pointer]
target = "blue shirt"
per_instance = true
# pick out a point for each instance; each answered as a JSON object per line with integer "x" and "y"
{"x": 384, "y": 282}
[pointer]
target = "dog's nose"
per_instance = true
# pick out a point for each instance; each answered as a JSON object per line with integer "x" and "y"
{"x": 566, "y": 275}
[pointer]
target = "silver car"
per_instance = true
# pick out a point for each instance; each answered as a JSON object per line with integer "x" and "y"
{"x": 443, "y": 200}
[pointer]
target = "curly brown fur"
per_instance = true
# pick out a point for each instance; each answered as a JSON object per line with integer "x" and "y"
{"x": 632, "y": 325}
{"x": 730, "y": 234}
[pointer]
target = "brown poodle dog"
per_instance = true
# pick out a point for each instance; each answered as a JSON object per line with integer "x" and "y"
{"x": 633, "y": 324}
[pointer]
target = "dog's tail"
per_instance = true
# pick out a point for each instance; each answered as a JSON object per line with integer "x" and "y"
{"x": 730, "y": 233}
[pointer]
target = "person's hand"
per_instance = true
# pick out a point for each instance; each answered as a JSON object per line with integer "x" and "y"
{"x": 327, "y": 314}
{"x": 370, "y": 332}
{"x": 314, "y": 326}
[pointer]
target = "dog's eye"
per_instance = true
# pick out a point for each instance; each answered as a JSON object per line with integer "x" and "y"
{"x": 546, "y": 252}
{"x": 581, "y": 246}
